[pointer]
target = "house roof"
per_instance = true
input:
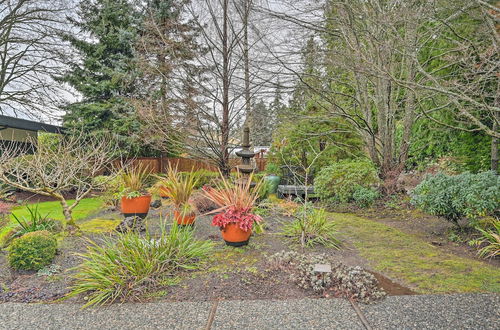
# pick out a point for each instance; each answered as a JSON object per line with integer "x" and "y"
{"x": 12, "y": 122}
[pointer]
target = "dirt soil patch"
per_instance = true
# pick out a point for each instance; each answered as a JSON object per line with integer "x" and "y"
{"x": 28, "y": 286}
{"x": 232, "y": 273}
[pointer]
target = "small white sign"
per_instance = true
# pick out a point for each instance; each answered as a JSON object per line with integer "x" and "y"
{"x": 322, "y": 268}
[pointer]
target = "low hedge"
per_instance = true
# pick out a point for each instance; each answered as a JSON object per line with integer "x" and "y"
{"x": 32, "y": 251}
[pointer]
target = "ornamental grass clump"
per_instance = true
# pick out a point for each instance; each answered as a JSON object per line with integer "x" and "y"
{"x": 35, "y": 222}
{"x": 179, "y": 187}
{"x": 311, "y": 227}
{"x": 134, "y": 181}
{"x": 489, "y": 242}
{"x": 131, "y": 266}
{"x": 235, "y": 202}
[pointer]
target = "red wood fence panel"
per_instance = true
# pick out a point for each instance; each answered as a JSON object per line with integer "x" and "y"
{"x": 160, "y": 165}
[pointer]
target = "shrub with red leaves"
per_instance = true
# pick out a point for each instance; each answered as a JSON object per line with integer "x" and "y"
{"x": 243, "y": 218}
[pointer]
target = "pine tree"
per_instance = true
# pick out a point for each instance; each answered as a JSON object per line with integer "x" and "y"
{"x": 261, "y": 124}
{"x": 277, "y": 107}
{"x": 105, "y": 71}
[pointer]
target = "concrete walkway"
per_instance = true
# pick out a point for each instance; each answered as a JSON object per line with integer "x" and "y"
{"x": 462, "y": 311}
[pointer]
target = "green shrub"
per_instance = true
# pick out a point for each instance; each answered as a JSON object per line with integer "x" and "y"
{"x": 205, "y": 178}
{"x": 272, "y": 169}
{"x": 32, "y": 251}
{"x": 264, "y": 189}
{"x": 456, "y": 196}
{"x": 311, "y": 227}
{"x": 339, "y": 181}
{"x": 131, "y": 265}
{"x": 364, "y": 197}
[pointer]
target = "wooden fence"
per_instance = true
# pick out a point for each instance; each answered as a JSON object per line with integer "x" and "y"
{"x": 160, "y": 164}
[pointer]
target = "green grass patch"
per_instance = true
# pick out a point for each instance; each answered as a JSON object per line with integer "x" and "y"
{"x": 84, "y": 209}
{"x": 425, "y": 267}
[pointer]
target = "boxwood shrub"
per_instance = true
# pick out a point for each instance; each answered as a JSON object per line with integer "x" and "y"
{"x": 365, "y": 197}
{"x": 454, "y": 197}
{"x": 32, "y": 251}
{"x": 339, "y": 181}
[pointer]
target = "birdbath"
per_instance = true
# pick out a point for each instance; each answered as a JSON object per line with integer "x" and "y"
{"x": 245, "y": 168}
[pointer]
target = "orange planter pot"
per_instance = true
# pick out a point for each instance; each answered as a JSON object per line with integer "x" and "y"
{"x": 184, "y": 220}
{"x": 233, "y": 235}
{"x": 137, "y": 206}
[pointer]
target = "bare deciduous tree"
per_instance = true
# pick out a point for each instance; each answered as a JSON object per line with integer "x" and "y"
{"x": 30, "y": 53}
{"x": 222, "y": 107}
{"x": 54, "y": 170}
{"x": 166, "y": 50}
{"x": 361, "y": 46}
{"x": 388, "y": 63}
{"x": 231, "y": 79}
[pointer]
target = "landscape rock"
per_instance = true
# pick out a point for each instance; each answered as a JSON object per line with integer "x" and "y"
{"x": 156, "y": 204}
{"x": 202, "y": 203}
{"x": 131, "y": 223}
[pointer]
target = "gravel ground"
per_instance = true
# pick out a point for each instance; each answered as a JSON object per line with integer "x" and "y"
{"x": 193, "y": 315}
{"x": 286, "y": 314}
{"x": 462, "y": 311}
{"x": 457, "y": 311}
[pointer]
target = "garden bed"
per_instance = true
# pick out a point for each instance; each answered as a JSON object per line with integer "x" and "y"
{"x": 402, "y": 261}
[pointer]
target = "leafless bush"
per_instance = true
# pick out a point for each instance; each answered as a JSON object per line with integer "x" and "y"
{"x": 69, "y": 165}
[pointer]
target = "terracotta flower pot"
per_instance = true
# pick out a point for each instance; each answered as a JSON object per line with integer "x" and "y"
{"x": 184, "y": 220}
{"x": 136, "y": 206}
{"x": 233, "y": 235}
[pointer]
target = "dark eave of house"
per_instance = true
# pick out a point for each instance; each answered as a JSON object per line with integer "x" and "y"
{"x": 11, "y": 122}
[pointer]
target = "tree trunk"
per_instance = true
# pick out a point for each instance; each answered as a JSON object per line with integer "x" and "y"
{"x": 246, "y": 58}
{"x": 67, "y": 212}
{"x": 224, "y": 166}
{"x": 494, "y": 149}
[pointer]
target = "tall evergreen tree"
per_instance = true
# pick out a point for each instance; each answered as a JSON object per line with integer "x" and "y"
{"x": 261, "y": 124}
{"x": 105, "y": 71}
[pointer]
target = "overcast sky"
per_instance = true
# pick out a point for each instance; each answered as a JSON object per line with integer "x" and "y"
{"x": 280, "y": 44}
